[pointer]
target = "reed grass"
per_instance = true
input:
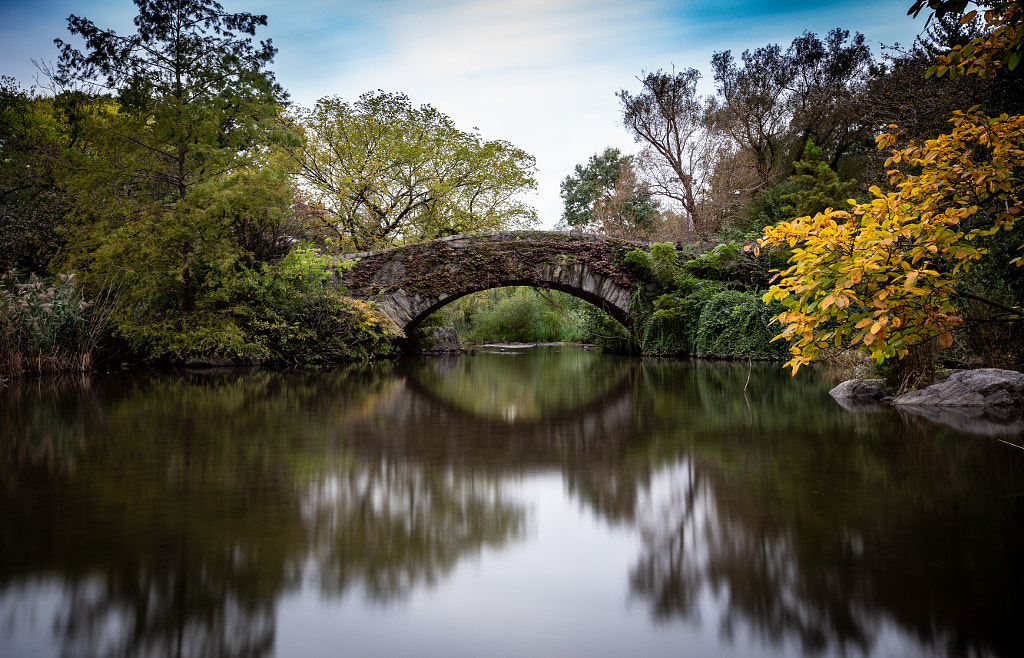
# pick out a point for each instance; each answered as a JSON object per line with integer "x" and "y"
{"x": 48, "y": 326}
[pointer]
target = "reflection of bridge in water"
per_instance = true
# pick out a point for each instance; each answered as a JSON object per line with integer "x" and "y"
{"x": 416, "y": 423}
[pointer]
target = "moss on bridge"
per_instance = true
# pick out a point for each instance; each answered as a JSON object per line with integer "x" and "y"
{"x": 447, "y": 268}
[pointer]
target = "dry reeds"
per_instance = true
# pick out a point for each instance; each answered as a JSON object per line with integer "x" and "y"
{"x": 48, "y": 327}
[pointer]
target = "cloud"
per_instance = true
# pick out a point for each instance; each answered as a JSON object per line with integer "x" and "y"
{"x": 541, "y": 74}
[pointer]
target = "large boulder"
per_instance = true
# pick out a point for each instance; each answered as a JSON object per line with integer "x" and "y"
{"x": 859, "y": 389}
{"x": 985, "y": 387}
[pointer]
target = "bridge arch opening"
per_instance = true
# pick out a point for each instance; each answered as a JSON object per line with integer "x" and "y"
{"x": 586, "y": 296}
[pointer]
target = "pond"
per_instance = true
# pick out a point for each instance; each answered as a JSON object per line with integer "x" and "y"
{"x": 516, "y": 501}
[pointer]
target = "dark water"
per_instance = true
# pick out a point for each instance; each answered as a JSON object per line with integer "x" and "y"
{"x": 536, "y": 502}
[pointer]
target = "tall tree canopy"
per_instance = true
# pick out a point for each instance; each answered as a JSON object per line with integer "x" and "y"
{"x": 667, "y": 117}
{"x": 749, "y": 108}
{"x": 176, "y": 190}
{"x": 387, "y": 172}
{"x": 773, "y": 103}
{"x": 195, "y": 83}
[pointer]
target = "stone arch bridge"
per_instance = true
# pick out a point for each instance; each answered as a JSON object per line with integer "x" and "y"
{"x": 411, "y": 282}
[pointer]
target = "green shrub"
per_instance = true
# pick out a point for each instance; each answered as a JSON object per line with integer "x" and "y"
{"x": 522, "y": 317}
{"x": 291, "y": 310}
{"x": 665, "y": 263}
{"x": 720, "y": 264}
{"x": 736, "y": 325}
{"x": 515, "y": 314}
{"x": 670, "y": 328}
{"x": 640, "y": 262}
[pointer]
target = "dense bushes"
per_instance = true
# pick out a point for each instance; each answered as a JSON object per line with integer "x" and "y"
{"x": 517, "y": 315}
{"x": 705, "y": 316}
{"x": 289, "y": 310}
{"x": 736, "y": 324}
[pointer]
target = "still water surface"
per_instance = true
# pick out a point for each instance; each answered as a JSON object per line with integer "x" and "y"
{"x": 531, "y": 502}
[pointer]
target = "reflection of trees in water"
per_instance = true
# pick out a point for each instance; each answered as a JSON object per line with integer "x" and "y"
{"x": 526, "y": 384}
{"x": 160, "y": 613}
{"x": 795, "y": 560}
{"x": 694, "y": 548}
{"x": 49, "y": 406}
{"x": 193, "y": 504}
{"x": 391, "y": 526}
{"x": 177, "y": 511}
{"x": 588, "y": 440}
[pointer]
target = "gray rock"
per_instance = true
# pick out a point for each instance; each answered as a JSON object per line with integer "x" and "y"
{"x": 859, "y": 389}
{"x": 985, "y": 387}
{"x": 440, "y": 339}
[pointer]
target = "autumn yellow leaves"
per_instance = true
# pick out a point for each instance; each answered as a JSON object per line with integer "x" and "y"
{"x": 882, "y": 274}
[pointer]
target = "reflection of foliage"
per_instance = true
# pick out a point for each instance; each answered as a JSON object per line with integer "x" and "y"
{"x": 824, "y": 542}
{"x": 198, "y": 498}
{"x": 184, "y": 507}
{"x": 393, "y": 527}
{"x": 46, "y": 414}
{"x": 611, "y": 489}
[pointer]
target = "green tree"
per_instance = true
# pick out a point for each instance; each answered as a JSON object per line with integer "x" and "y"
{"x": 817, "y": 186}
{"x": 193, "y": 79}
{"x": 604, "y": 195}
{"x": 34, "y": 135}
{"x": 386, "y": 172}
{"x": 193, "y": 106}
{"x": 177, "y": 192}
{"x": 899, "y": 93}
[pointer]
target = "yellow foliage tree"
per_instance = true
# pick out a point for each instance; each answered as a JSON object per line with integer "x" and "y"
{"x": 883, "y": 273}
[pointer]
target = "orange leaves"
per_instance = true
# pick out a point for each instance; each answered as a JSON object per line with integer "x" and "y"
{"x": 881, "y": 274}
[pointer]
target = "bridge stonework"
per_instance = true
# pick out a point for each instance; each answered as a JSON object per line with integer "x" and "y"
{"x": 410, "y": 282}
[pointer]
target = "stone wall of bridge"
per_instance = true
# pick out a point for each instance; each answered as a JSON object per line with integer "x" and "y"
{"x": 410, "y": 282}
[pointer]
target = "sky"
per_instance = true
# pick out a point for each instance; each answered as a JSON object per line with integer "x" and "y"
{"x": 541, "y": 74}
